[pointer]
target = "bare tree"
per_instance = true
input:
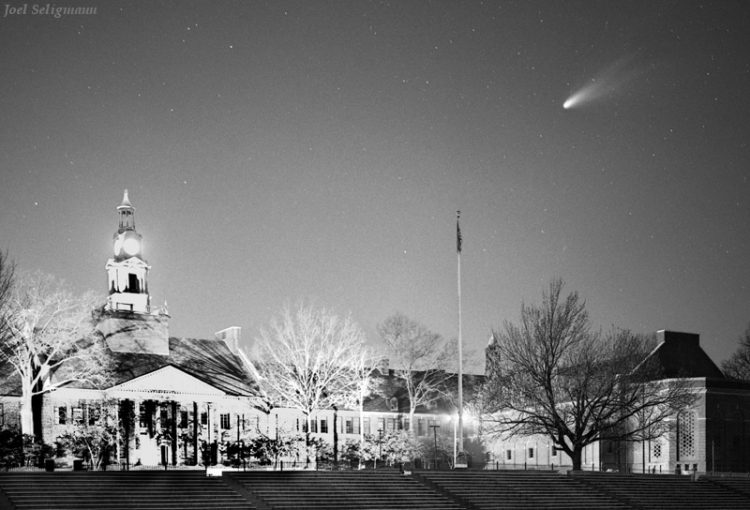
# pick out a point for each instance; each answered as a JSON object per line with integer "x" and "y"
{"x": 365, "y": 365}
{"x": 308, "y": 360}
{"x": 738, "y": 364}
{"x": 551, "y": 375}
{"x": 420, "y": 357}
{"x": 48, "y": 340}
{"x": 7, "y": 274}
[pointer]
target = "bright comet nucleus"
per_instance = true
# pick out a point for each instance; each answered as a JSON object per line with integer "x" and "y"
{"x": 571, "y": 102}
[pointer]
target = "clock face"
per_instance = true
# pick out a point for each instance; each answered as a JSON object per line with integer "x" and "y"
{"x": 131, "y": 246}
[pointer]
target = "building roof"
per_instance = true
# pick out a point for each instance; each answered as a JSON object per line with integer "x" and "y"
{"x": 680, "y": 355}
{"x": 211, "y": 361}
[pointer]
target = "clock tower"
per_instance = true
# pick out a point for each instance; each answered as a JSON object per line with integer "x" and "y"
{"x": 127, "y": 271}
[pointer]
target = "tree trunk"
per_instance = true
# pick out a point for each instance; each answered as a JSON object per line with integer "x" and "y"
{"x": 27, "y": 417}
{"x": 307, "y": 439}
{"x": 576, "y": 457}
{"x": 335, "y": 438}
{"x": 361, "y": 432}
{"x": 411, "y": 419}
{"x": 37, "y": 402}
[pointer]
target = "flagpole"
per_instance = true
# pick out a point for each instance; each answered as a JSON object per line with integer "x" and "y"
{"x": 460, "y": 341}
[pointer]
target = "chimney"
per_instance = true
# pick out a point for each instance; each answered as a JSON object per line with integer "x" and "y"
{"x": 677, "y": 337}
{"x": 231, "y": 337}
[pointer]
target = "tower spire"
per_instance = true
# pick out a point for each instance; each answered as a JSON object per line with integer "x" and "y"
{"x": 126, "y": 212}
{"x": 125, "y": 200}
{"x": 127, "y": 271}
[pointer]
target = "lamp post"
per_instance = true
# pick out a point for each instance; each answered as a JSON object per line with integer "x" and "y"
{"x": 454, "y": 419}
{"x": 242, "y": 455}
{"x": 380, "y": 447}
{"x": 434, "y": 431}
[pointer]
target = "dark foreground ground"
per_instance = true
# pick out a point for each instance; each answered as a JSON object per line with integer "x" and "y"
{"x": 434, "y": 490}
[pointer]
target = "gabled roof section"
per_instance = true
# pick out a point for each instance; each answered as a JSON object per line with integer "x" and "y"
{"x": 680, "y": 355}
{"x": 209, "y": 361}
{"x": 167, "y": 379}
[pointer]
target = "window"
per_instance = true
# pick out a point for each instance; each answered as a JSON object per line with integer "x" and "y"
{"x": 95, "y": 413}
{"x": 420, "y": 427}
{"x": 656, "y": 450}
{"x": 78, "y": 415}
{"x": 349, "y": 426}
{"x": 406, "y": 423}
{"x": 390, "y": 425}
{"x": 133, "y": 283}
{"x": 531, "y": 453}
{"x": 686, "y": 434}
{"x": 509, "y": 454}
{"x": 314, "y": 425}
{"x": 381, "y": 424}
{"x": 366, "y": 424}
{"x": 224, "y": 419}
{"x": 324, "y": 426}
{"x": 164, "y": 416}
{"x": 393, "y": 404}
{"x": 183, "y": 419}
{"x": 62, "y": 415}
{"x": 554, "y": 452}
{"x": 142, "y": 422}
{"x": 204, "y": 419}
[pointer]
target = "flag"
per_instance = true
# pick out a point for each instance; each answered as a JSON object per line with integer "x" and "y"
{"x": 458, "y": 232}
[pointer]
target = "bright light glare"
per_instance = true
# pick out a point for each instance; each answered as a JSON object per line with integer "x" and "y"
{"x": 131, "y": 246}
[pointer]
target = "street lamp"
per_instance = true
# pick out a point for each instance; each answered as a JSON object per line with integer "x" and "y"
{"x": 434, "y": 431}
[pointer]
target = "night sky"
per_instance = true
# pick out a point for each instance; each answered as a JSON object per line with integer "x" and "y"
{"x": 278, "y": 151}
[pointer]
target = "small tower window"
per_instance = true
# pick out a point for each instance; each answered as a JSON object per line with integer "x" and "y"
{"x": 133, "y": 284}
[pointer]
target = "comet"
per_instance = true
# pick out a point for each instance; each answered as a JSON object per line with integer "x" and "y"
{"x": 609, "y": 82}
